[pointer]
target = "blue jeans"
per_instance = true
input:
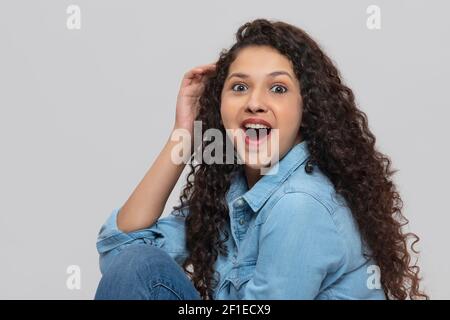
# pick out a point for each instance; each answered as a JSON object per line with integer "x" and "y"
{"x": 145, "y": 272}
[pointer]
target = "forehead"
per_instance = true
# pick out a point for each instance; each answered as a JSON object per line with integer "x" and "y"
{"x": 260, "y": 59}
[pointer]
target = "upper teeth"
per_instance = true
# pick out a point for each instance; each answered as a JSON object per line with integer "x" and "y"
{"x": 256, "y": 126}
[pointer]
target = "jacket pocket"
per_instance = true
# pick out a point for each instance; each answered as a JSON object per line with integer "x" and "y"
{"x": 245, "y": 272}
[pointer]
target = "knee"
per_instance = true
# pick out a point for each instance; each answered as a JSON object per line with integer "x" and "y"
{"x": 144, "y": 271}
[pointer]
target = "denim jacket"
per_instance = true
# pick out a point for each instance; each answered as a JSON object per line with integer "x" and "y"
{"x": 290, "y": 237}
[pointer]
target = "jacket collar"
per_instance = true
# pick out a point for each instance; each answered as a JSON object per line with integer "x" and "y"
{"x": 268, "y": 183}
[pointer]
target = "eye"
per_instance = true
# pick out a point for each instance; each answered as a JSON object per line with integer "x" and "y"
{"x": 281, "y": 89}
{"x": 237, "y": 85}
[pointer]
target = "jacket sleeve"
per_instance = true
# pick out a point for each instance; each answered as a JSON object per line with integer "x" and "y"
{"x": 167, "y": 233}
{"x": 299, "y": 246}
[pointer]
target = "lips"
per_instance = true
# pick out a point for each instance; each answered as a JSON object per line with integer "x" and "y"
{"x": 256, "y": 130}
{"x": 256, "y": 121}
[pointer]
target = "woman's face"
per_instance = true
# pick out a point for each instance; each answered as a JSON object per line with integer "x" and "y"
{"x": 261, "y": 91}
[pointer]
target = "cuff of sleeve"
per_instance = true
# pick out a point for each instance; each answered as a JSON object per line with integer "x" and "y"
{"x": 110, "y": 236}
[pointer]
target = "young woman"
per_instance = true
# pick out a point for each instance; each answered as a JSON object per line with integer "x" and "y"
{"x": 324, "y": 222}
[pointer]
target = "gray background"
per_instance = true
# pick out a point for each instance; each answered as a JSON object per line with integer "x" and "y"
{"x": 85, "y": 112}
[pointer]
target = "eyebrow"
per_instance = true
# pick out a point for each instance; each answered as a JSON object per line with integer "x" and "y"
{"x": 272, "y": 74}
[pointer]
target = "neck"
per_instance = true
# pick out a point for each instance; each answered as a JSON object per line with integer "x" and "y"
{"x": 252, "y": 175}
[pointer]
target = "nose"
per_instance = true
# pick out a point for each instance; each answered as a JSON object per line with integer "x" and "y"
{"x": 255, "y": 108}
{"x": 256, "y": 104}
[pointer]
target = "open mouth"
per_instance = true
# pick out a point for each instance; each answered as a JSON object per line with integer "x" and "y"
{"x": 256, "y": 130}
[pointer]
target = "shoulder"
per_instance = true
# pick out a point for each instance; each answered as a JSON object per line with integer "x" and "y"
{"x": 308, "y": 190}
{"x": 299, "y": 207}
{"x": 317, "y": 185}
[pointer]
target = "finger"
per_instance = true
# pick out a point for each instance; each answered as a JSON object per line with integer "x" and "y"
{"x": 209, "y": 68}
{"x": 209, "y": 65}
{"x": 192, "y": 78}
{"x": 195, "y": 74}
{"x": 204, "y": 68}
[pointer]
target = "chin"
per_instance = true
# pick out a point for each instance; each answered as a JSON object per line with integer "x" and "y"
{"x": 258, "y": 160}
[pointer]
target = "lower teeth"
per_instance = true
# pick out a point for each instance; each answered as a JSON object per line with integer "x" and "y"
{"x": 256, "y": 134}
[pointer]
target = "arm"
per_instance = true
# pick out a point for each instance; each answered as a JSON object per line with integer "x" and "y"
{"x": 138, "y": 220}
{"x": 166, "y": 233}
{"x": 146, "y": 204}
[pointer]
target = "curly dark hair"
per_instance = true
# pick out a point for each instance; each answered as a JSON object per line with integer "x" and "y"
{"x": 340, "y": 144}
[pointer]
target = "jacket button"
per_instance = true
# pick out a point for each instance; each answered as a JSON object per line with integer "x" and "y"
{"x": 241, "y": 221}
{"x": 239, "y": 203}
{"x": 309, "y": 167}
